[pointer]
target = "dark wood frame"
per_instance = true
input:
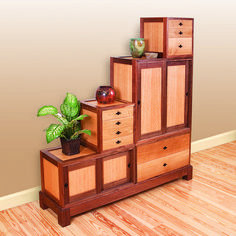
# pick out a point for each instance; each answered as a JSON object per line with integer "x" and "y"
{"x": 165, "y": 20}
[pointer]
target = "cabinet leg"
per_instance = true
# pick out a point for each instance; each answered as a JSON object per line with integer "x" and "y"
{"x": 189, "y": 175}
{"x": 41, "y": 201}
{"x": 64, "y": 217}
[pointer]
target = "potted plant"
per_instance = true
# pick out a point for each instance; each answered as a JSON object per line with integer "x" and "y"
{"x": 69, "y": 130}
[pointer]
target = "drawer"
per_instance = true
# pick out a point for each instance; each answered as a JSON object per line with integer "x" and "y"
{"x": 162, "y": 156}
{"x": 117, "y": 142}
{"x": 180, "y": 33}
{"x": 181, "y": 24}
{"x": 179, "y": 46}
{"x": 117, "y": 113}
{"x": 117, "y": 128}
{"x": 162, "y": 165}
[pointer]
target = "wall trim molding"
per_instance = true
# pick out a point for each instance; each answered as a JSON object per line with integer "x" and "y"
{"x": 32, "y": 194}
{"x": 213, "y": 141}
{"x": 19, "y": 198}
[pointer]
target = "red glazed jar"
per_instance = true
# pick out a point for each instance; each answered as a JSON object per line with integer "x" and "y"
{"x": 105, "y": 94}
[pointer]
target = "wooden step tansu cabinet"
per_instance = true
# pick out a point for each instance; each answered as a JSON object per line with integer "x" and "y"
{"x": 140, "y": 141}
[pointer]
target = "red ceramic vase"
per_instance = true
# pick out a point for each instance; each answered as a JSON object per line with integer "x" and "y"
{"x": 105, "y": 94}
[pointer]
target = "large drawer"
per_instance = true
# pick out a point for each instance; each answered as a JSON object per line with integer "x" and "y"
{"x": 162, "y": 156}
{"x": 179, "y": 46}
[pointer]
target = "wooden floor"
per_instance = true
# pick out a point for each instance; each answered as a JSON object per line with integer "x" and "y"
{"x": 205, "y": 205}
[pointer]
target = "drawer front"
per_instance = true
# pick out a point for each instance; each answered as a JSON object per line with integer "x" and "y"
{"x": 117, "y": 128}
{"x": 162, "y": 156}
{"x": 117, "y": 113}
{"x": 179, "y": 46}
{"x": 180, "y": 33}
{"x": 117, "y": 142}
{"x": 181, "y": 24}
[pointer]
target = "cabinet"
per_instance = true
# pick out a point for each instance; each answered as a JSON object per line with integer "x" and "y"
{"x": 160, "y": 88}
{"x": 171, "y": 37}
{"x": 140, "y": 141}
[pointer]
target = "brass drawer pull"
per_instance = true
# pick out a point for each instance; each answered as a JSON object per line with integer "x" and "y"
{"x": 165, "y": 147}
{"x": 164, "y": 164}
{"x": 180, "y": 24}
{"x": 118, "y": 141}
{"x": 118, "y": 113}
{"x": 118, "y": 132}
{"x": 118, "y": 123}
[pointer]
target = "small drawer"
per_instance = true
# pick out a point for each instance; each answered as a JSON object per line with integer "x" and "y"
{"x": 117, "y": 142}
{"x": 117, "y": 113}
{"x": 179, "y": 46}
{"x": 180, "y": 33}
{"x": 117, "y": 128}
{"x": 182, "y": 24}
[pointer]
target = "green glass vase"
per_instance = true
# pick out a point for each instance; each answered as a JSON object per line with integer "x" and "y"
{"x": 137, "y": 46}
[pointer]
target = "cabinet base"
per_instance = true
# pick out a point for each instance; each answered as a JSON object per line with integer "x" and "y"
{"x": 109, "y": 196}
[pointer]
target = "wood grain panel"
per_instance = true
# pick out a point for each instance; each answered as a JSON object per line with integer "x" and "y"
{"x": 112, "y": 130}
{"x": 151, "y": 83}
{"x": 114, "y": 169}
{"x": 117, "y": 142}
{"x": 123, "y": 81}
{"x": 175, "y": 23}
{"x": 82, "y": 180}
{"x": 174, "y": 47}
{"x": 165, "y": 147}
{"x": 162, "y": 165}
{"x": 153, "y": 35}
{"x": 90, "y": 123}
{"x": 117, "y": 113}
{"x": 175, "y": 95}
{"x": 51, "y": 178}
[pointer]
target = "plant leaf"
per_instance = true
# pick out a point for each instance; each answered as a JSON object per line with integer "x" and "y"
{"x": 47, "y": 110}
{"x": 62, "y": 119}
{"x": 53, "y": 132}
{"x": 76, "y": 134}
{"x": 71, "y": 100}
{"x": 69, "y": 111}
{"x": 81, "y": 117}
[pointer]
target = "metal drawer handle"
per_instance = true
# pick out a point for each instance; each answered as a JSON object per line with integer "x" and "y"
{"x": 180, "y": 23}
{"x": 118, "y": 113}
{"x": 165, "y": 147}
{"x": 66, "y": 185}
{"x": 180, "y": 32}
{"x": 118, "y": 123}
{"x": 129, "y": 165}
{"x": 118, "y": 141}
{"x": 118, "y": 132}
{"x": 164, "y": 164}
{"x": 180, "y": 46}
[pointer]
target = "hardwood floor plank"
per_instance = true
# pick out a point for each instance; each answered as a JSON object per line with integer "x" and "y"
{"x": 205, "y": 205}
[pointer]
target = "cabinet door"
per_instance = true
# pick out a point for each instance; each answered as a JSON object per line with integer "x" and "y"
{"x": 82, "y": 180}
{"x": 150, "y": 99}
{"x": 116, "y": 170}
{"x": 177, "y": 94}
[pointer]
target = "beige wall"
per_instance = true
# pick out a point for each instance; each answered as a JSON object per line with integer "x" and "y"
{"x": 48, "y": 48}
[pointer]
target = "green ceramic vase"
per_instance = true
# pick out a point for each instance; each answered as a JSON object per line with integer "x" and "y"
{"x": 137, "y": 46}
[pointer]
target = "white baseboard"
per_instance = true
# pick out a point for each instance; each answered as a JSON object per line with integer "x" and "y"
{"x": 213, "y": 141}
{"x": 19, "y": 198}
{"x": 32, "y": 194}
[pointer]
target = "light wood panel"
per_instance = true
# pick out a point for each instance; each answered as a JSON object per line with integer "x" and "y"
{"x": 114, "y": 169}
{"x": 117, "y": 142}
{"x": 175, "y": 95}
{"x": 51, "y": 178}
{"x": 153, "y": 35}
{"x": 176, "y": 24}
{"x": 82, "y": 180}
{"x": 123, "y": 81}
{"x": 151, "y": 83}
{"x": 90, "y": 123}
{"x": 204, "y": 205}
{"x": 180, "y": 33}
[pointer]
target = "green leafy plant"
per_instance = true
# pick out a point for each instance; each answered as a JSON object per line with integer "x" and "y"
{"x": 69, "y": 118}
